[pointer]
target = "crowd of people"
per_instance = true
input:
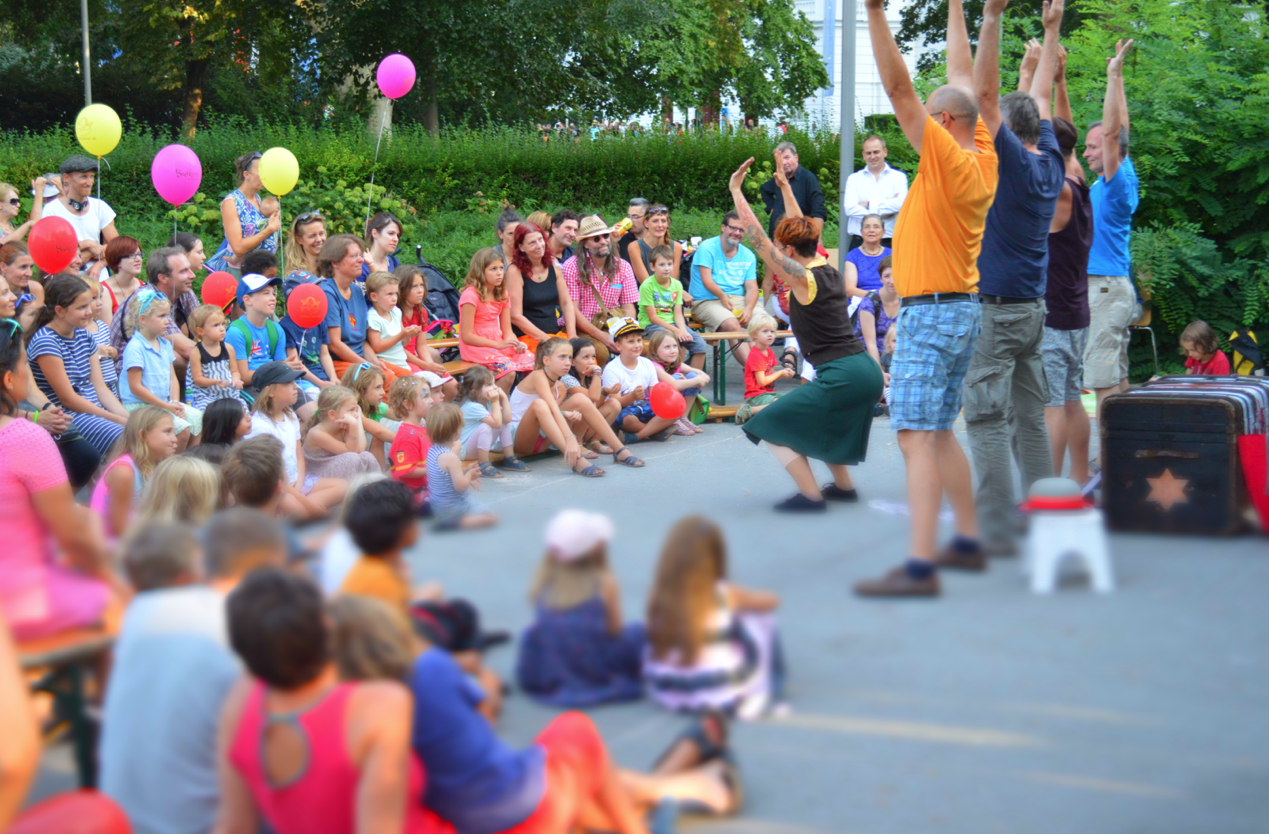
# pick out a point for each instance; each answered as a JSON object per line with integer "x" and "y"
{"x": 998, "y": 280}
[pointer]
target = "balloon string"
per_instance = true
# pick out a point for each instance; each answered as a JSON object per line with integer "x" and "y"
{"x": 379, "y": 142}
{"x": 98, "y": 178}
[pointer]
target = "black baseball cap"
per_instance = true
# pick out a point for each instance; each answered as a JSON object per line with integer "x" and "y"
{"x": 274, "y": 373}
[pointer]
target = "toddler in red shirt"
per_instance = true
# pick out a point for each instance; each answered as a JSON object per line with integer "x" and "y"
{"x": 409, "y": 400}
{"x": 1204, "y": 356}
{"x": 760, "y": 373}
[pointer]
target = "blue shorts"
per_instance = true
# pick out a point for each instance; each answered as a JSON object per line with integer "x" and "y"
{"x": 689, "y": 392}
{"x": 934, "y": 347}
{"x": 694, "y": 347}
{"x": 641, "y": 409}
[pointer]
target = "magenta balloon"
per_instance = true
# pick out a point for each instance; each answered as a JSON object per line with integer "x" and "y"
{"x": 396, "y": 75}
{"x": 176, "y": 173}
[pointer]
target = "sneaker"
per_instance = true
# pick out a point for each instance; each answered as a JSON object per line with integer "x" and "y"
{"x": 799, "y": 503}
{"x": 899, "y": 583}
{"x": 832, "y": 492}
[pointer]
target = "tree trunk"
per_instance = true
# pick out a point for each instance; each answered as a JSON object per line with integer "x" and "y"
{"x": 667, "y": 110}
{"x": 195, "y": 77}
{"x": 711, "y": 108}
{"x": 431, "y": 111}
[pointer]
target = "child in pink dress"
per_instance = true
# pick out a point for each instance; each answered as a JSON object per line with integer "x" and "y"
{"x": 484, "y": 328}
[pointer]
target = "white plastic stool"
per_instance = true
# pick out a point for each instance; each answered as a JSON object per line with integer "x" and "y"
{"x": 1057, "y": 533}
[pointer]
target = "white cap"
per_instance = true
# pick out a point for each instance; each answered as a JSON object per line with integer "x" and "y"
{"x": 574, "y": 533}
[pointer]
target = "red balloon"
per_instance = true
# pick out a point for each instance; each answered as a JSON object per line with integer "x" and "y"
{"x": 220, "y": 288}
{"x": 306, "y": 305}
{"x": 53, "y": 244}
{"x": 667, "y": 402}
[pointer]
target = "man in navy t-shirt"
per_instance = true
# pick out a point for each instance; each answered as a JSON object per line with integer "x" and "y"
{"x": 1004, "y": 387}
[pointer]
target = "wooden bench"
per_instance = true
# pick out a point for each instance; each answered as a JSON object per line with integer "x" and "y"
{"x": 58, "y": 663}
{"x": 723, "y": 342}
{"x": 720, "y": 413}
{"x": 456, "y": 368}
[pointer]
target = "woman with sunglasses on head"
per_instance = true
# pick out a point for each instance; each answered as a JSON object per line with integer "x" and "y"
{"x": 126, "y": 262}
{"x": 11, "y": 205}
{"x": 656, "y": 232}
{"x": 246, "y": 226}
{"x": 303, "y": 246}
{"x": 16, "y": 267}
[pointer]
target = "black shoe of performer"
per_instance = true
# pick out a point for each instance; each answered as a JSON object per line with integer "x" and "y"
{"x": 832, "y": 492}
{"x": 799, "y": 503}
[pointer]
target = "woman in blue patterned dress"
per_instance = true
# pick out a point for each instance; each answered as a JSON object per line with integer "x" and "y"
{"x": 246, "y": 226}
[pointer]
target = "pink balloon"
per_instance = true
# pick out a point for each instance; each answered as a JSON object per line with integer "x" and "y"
{"x": 396, "y": 75}
{"x": 176, "y": 173}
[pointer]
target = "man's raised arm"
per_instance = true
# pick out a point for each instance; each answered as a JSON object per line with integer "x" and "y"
{"x": 960, "y": 61}
{"x": 1114, "y": 111}
{"x": 908, "y": 107}
{"x": 1062, "y": 100}
{"x": 987, "y": 64}
{"x": 1042, "y": 85}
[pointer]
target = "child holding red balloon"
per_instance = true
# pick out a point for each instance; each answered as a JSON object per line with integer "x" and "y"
{"x": 671, "y": 354}
{"x": 637, "y": 375}
{"x": 308, "y": 339}
{"x": 212, "y": 373}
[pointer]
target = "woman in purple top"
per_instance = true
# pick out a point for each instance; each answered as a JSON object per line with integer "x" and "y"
{"x": 876, "y": 319}
{"x": 861, "y": 263}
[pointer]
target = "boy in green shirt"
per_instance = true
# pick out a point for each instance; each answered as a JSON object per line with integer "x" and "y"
{"x": 661, "y": 306}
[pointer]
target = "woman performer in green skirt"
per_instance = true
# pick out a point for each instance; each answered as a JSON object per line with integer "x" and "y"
{"x": 827, "y": 419}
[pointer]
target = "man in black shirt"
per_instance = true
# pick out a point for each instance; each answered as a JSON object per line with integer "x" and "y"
{"x": 806, "y": 191}
{"x": 638, "y": 208}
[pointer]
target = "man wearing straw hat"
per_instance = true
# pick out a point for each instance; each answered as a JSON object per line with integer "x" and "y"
{"x": 599, "y": 281}
{"x": 91, "y": 218}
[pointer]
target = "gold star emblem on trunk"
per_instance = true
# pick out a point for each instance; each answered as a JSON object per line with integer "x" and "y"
{"x": 1167, "y": 490}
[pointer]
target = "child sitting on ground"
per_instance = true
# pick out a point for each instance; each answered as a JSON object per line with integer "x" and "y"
{"x": 577, "y": 653}
{"x": 148, "y": 376}
{"x": 710, "y": 643}
{"x": 667, "y": 352}
{"x": 636, "y": 375}
{"x": 1203, "y": 353}
{"x": 410, "y": 400}
{"x": 760, "y": 373}
{"x": 587, "y": 374}
{"x": 148, "y": 439}
{"x": 486, "y": 418}
{"x": 335, "y": 441}
{"x": 308, "y": 495}
{"x": 183, "y": 488}
{"x": 449, "y": 483}
{"x": 368, "y": 384}
{"x": 423, "y": 359}
{"x": 213, "y": 369}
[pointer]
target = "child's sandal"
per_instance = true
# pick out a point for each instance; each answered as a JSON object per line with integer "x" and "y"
{"x": 514, "y": 464}
{"x": 591, "y": 471}
{"x": 790, "y": 360}
{"x": 629, "y": 460}
{"x": 599, "y": 446}
{"x": 488, "y": 470}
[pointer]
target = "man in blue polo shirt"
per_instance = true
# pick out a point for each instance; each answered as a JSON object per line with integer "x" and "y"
{"x": 1112, "y": 301}
{"x": 1005, "y": 391}
{"x": 724, "y": 280}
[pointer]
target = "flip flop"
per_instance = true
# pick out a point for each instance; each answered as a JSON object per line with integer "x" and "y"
{"x": 629, "y": 460}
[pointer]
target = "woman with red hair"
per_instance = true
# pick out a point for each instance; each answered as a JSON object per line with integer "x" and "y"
{"x": 829, "y": 418}
{"x": 536, "y": 289}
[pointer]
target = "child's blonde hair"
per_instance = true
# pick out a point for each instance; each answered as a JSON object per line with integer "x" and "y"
{"x": 1202, "y": 336}
{"x": 330, "y": 399}
{"x": 546, "y": 347}
{"x": 150, "y": 302}
{"x": 200, "y": 318}
{"x": 360, "y": 379}
{"x": 444, "y": 423}
{"x": 685, "y": 591}
{"x": 654, "y": 346}
{"x": 264, "y": 400}
{"x": 761, "y": 321}
{"x": 892, "y": 338}
{"x": 406, "y": 390}
{"x": 379, "y": 280}
{"x": 370, "y": 640}
{"x": 476, "y": 275}
{"x": 560, "y": 585}
{"x": 132, "y": 442}
{"x": 474, "y": 381}
{"x": 182, "y": 488}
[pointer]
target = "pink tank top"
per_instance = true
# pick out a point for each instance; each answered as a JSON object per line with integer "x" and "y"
{"x": 323, "y": 797}
{"x": 100, "y": 501}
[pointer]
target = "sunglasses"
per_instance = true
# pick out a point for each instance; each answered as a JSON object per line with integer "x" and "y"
{"x": 307, "y": 216}
{"x": 14, "y": 327}
{"x": 655, "y": 210}
{"x": 24, "y": 298}
{"x": 14, "y": 201}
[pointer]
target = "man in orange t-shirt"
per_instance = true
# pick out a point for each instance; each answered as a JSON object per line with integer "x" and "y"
{"x": 937, "y": 240}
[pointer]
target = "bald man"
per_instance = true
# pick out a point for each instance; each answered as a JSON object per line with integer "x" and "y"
{"x": 937, "y": 241}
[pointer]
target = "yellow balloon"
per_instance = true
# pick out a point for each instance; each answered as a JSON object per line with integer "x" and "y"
{"x": 279, "y": 170}
{"x": 98, "y": 129}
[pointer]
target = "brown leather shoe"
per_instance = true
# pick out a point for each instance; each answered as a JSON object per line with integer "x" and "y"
{"x": 949, "y": 558}
{"x": 900, "y": 583}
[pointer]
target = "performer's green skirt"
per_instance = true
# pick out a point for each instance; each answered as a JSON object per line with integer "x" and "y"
{"x": 827, "y": 419}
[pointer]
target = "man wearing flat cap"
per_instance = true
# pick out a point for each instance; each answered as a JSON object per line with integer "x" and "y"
{"x": 91, "y": 218}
